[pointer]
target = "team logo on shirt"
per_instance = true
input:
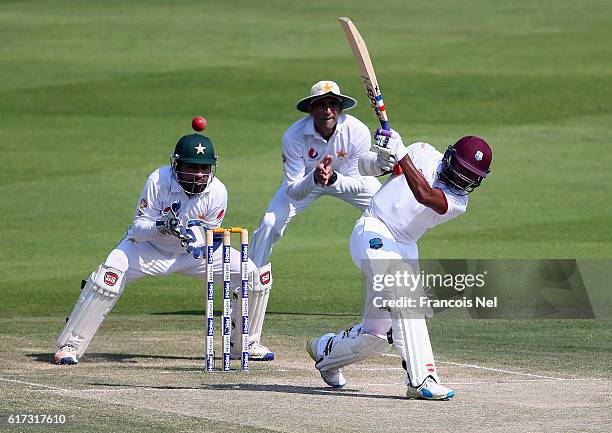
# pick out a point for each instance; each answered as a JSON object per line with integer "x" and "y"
{"x": 430, "y": 368}
{"x": 312, "y": 153}
{"x": 376, "y": 243}
{"x": 143, "y": 203}
{"x": 341, "y": 154}
{"x": 478, "y": 156}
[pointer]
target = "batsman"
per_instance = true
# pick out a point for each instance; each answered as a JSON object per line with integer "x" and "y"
{"x": 432, "y": 190}
{"x": 161, "y": 241}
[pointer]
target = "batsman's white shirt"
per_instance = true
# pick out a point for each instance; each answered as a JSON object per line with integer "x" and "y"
{"x": 396, "y": 206}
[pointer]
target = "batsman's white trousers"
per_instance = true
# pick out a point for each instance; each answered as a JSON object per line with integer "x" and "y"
{"x": 409, "y": 330}
{"x": 283, "y": 208}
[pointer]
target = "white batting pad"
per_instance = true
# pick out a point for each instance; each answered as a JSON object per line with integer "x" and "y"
{"x": 98, "y": 296}
{"x": 350, "y": 347}
{"x": 411, "y": 340}
{"x": 259, "y": 292}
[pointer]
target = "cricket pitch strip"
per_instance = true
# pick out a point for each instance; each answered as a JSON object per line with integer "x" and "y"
{"x": 138, "y": 377}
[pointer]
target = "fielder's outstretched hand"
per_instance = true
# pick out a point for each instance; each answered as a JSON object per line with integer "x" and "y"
{"x": 390, "y": 148}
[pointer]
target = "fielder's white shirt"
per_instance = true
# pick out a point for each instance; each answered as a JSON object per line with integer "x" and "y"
{"x": 304, "y": 148}
{"x": 159, "y": 192}
{"x": 395, "y": 205}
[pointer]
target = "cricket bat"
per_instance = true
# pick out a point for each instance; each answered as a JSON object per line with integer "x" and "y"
{"x": 364, "y": 63}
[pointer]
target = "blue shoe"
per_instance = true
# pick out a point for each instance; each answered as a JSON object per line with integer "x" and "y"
{"x": 430, "y": 390}
{"x": 67, "y": 355}
{"x": 259, "y": 352}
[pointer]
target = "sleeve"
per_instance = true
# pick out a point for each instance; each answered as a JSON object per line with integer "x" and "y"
{"x": 348, "y": 185}
{"x": 455, "y": 206}
{"x": 413, "y": 149}
{"x": 299, "y": 183}
{"x": 147, "y": 212}
{"x": 368, "y": 165}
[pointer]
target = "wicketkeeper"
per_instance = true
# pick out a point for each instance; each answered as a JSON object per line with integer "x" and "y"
{"x": 160, "y": 242}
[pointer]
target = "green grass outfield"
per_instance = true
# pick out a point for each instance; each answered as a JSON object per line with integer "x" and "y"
{"x": 93, "y": 97}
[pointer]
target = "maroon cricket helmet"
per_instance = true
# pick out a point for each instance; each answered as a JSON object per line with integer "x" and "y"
{"x": 465, "y": 164}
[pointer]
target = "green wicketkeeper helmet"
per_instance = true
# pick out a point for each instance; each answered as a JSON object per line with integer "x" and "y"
{"x": 193, "y": 149}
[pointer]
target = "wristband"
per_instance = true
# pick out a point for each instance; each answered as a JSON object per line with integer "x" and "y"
{"x": 332, "y": 179}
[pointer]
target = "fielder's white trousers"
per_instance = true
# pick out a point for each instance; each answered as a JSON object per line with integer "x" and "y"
{"x": 375, "y": 251}
{"x": 283, "y": 208}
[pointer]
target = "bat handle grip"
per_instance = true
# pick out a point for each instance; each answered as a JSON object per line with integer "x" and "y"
{"x": 397, "y": 170}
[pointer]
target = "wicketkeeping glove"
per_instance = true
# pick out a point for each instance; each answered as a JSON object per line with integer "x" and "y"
{"x": 390, "y": 148}
{"x": 170, "y": 224}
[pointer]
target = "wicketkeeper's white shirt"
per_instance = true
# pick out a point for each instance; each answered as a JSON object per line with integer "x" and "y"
{"x": 394, "y": 204}
{"x": 159, "y": 192}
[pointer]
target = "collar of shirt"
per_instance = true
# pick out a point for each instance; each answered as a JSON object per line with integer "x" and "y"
{"x": 174, "y": 185}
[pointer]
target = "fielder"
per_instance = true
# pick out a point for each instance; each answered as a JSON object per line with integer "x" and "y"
{"x": 432, "y": 190}
{"x": 321, "y": 153}
{"x": 160, "y": 242}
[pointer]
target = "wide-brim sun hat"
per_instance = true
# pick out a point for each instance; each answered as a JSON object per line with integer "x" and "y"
{"x": 323, "y": 89}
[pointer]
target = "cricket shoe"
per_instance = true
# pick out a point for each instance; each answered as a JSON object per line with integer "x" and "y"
{"x": 430, "y": 390}
{"x": 67, "y": 355}
{"x": 334, "y": 377}
{"x": 257, "y": 352}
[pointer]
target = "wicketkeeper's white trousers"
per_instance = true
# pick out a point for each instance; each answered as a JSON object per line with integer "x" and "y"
{"x": 136, "y": 260}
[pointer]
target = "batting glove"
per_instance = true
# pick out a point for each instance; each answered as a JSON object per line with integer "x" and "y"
{"x": 385, "y": 159}
{"x": 390, "y": 143}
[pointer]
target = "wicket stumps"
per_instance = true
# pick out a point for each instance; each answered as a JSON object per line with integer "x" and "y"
{"x": 210, "y": 297}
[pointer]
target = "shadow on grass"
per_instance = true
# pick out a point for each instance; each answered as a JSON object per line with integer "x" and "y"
{"x": 113, "y": 357}
{"x": 268, "y": 313}
{"x": 283, "y": 389}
